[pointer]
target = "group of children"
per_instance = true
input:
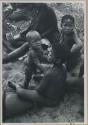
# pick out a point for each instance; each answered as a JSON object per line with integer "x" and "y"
{"x": 54, "y": 65}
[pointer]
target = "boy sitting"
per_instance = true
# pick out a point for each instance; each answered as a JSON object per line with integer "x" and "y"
{"x": 70, "y": 40}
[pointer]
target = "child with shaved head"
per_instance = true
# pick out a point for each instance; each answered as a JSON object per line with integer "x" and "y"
{"x": 34, "y": 56}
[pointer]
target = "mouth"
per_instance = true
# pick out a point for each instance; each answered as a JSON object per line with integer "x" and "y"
{"x": 68, "y": 31}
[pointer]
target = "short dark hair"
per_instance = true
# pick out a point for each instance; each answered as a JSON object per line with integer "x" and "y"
{"x": 68, "y": 17}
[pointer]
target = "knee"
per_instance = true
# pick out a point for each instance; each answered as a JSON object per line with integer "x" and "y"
{"x": 14, "y": 105}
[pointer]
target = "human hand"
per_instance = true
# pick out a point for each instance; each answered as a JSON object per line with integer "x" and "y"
{"x": 75, "y": 33}
{"x": 19, "y": 89}
{"x": 18, "y": 86}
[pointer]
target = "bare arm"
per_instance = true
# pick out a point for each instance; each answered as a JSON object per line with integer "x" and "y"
{"x": 78, "y": 44}
{"x": 16, "y": 53}
{"x": 44, "y": 67}
{"x": 29, "y": 95}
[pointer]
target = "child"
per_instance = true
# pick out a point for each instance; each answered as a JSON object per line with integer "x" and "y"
{"x": 35, "y": 56}
{"x": 70, "y": 40}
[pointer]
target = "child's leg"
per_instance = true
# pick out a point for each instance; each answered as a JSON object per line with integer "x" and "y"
{"x": 28, "y": 74}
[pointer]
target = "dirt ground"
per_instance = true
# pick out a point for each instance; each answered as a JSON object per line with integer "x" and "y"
{"x": 68, "y": 109}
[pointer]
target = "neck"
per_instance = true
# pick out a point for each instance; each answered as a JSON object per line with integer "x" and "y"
{"x": 67, "y": 36}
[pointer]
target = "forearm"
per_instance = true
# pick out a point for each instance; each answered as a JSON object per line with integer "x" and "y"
{"x": 16, "y": 53}
{"x": 29, "y": 95}
{"x": 40, "y": 67}
{"x": 44, "y": 67}
{"x": 23, "y": 93}
{"x": 79, "y": 43}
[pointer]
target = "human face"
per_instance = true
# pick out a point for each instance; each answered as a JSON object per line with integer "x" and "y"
{"x": 36, "y": 45}
{"x": 68, "y": 26}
